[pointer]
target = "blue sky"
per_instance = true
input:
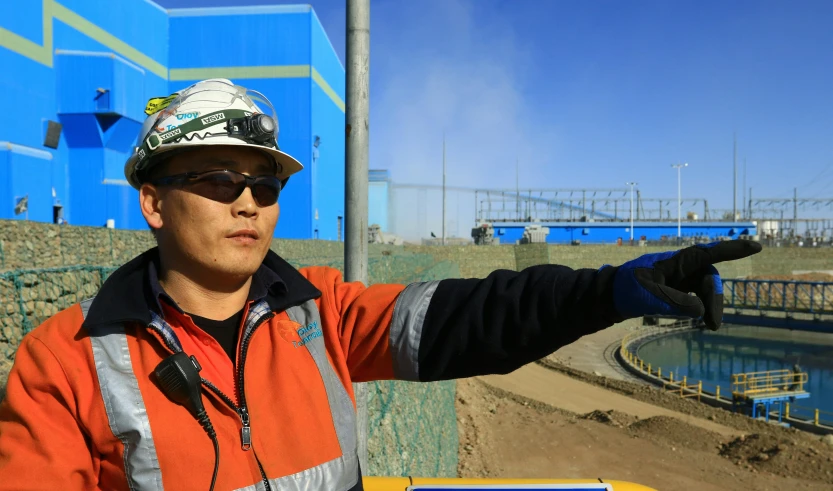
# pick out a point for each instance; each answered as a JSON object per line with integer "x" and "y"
{"x": 596, "y": 93}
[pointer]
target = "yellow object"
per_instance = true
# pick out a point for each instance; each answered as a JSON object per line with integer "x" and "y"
{"x": 402, "y": 483}
{"x": 158, "y": 103}
{"x": 768, "y": 382}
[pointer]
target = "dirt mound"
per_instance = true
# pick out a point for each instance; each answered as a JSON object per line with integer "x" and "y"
{"x": 658, "y": 397}
{"x": 503, "y": 435}
{"x": 786, "y": 457}
{"x": 676, "y": 433}
{"x": 610, "y": 417}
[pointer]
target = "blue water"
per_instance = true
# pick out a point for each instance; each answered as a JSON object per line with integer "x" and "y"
{"x": 713, "y": 356}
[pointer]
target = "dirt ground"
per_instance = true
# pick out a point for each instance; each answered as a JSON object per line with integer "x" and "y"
{"x": 503, "y": 434}
{"x": 795, "y": 277}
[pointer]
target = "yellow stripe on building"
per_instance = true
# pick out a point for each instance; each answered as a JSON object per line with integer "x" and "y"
{"x": 96, "y": 33}
{"x": 317, "y": 78}
{"x": 24, "y": 47}
{"x": 232, "y": 72}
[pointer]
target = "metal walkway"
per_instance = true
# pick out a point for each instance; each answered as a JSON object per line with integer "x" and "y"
{"x": 805, "y": 305}
{"x": 758, "y": 393}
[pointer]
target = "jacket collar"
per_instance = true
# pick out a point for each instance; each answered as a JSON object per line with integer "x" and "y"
{"x": 263, "y": 281}
{"x": 131, "y": 292}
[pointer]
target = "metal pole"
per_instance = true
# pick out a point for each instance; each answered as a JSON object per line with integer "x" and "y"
{"x": 795, "y": 212}
{"x": 443, "y": 188}
{"x": 679, "y": 200}
{"x": 743, "y": 203}
{"x": 357, "y": 116}
{"x": 477, "y": 215}
{"x": 640, "y": 208}
{"x": 357, "y": 119}
{"x": 735, "y": 180}
{"x": 679, "y": 205}
{"x": 631, "y": 184}
{"x": 518, "y": 188}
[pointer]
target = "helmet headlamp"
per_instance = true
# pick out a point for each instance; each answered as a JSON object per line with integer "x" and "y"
{"x": 256, "y": 128}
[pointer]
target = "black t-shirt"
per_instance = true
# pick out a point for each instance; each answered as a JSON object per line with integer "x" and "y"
{"x": 225, "y": 332}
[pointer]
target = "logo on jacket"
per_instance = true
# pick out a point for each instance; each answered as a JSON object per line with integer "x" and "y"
{"x": 297, "y": 335}
{"x": 307, "y": 334}
{"x": 289, "y": 330}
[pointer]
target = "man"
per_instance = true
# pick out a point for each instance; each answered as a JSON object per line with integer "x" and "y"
{"x": 210, "y": 358}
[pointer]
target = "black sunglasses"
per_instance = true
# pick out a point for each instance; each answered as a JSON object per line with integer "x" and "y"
{"x": 226, "y": 185}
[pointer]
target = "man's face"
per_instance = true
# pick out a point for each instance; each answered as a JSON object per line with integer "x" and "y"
{"x": 205, "y": 236}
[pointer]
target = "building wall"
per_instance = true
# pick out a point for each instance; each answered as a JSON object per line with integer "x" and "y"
{"x": 377, "y": 200}
{"x": 271, "y": 68}
{"x": 49, "y": 48}
{"x": 327, "y": 170}
{"x": 62, "y": 53}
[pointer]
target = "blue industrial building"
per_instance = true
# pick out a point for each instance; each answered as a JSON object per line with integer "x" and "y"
{"x": 91, "y": 65}
{"x": 611, "y": 232}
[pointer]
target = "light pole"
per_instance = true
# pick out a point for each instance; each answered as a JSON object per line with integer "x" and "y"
{"x": 679, "y": 200}
{"x": 356, "y": 146}
{"x": 631, "y": 184}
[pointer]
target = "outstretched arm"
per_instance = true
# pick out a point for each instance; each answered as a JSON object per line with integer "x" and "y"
{"x": 460, "y": 328}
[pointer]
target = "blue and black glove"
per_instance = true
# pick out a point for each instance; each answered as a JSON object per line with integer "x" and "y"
{"x": 659, "y": 284}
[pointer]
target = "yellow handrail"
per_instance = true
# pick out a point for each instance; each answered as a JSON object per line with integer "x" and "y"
{"x": 768, "y": 382}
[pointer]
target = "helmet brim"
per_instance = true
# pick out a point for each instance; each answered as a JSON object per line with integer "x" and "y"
{"x": 286, "y": 165}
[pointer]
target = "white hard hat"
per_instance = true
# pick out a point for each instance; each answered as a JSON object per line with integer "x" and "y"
{"x": 210, "y": 112}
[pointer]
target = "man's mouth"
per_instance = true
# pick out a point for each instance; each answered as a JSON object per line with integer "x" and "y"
{"x": 246, "y": 236}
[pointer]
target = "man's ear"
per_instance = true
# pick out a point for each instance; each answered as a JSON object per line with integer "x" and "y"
{"x": 150, "y": 202}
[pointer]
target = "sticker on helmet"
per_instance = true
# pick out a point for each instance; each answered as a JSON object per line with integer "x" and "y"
{"x": 169, "y": 127}
{"x": 214, "y": 118}
{"x": 170, "y": 134}
{"x": 158, "y": 103}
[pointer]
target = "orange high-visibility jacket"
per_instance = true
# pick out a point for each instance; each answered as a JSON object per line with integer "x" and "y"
{"x": 84, "y": 411}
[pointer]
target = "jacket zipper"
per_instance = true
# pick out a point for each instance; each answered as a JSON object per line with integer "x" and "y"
{"x": 241, "y": 410}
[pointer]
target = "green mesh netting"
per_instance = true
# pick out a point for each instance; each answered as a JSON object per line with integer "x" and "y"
{"x": 412, "y": 427}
